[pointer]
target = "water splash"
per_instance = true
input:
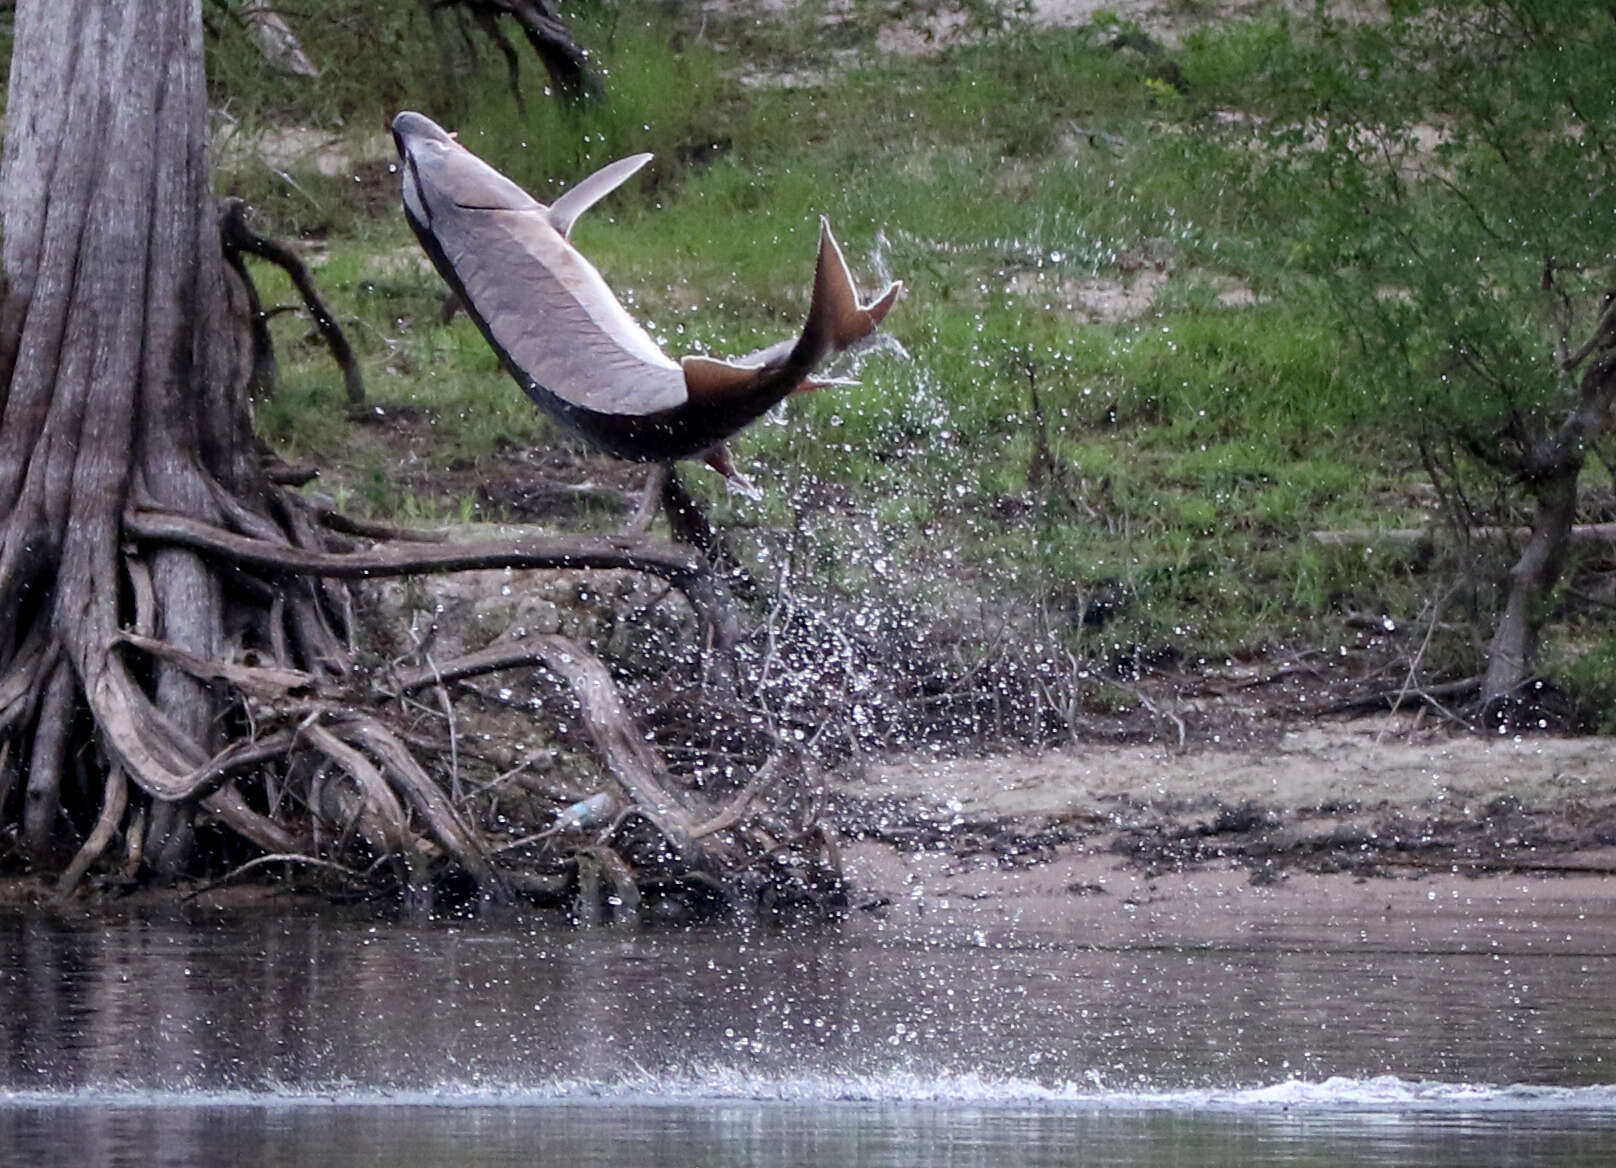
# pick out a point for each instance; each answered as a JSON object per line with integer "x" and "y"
{"x": 1385, "y": 1095}
{"x": 849, "y": 362}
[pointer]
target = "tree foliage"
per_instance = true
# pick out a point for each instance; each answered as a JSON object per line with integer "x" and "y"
{"x": 1453, "y": 170}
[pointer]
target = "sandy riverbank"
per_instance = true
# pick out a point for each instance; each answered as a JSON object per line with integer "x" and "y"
{"x": 1426, "y": 840}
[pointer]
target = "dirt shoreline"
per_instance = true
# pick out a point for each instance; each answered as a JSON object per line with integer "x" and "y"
{"x": 1408, "y": 838}
{"x": 1360, "y": 817}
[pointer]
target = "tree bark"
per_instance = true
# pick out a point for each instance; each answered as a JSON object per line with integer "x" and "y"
{"x": 1552, "y": 476}
{"x": 119, "y": 377}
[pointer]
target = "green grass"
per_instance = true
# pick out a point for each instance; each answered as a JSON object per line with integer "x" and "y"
{"x": 1196, "y": 444}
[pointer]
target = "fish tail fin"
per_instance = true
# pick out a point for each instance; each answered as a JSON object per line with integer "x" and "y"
{"x": 836, "y": 318}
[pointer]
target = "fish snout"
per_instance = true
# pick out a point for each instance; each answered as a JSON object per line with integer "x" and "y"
{"x": 412, "y": 131}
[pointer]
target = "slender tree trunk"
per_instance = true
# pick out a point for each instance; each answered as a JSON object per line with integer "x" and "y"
{"x": 1553, "y": 473}
{"x": 1533, "y": 576}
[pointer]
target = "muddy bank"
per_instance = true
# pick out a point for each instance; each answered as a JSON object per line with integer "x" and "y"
{"x": 1399, "y": 832}
{"x": 1360, "y": 812}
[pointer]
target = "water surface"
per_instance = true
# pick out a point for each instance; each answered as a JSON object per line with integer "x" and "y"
{"x": 317, "y": 1037}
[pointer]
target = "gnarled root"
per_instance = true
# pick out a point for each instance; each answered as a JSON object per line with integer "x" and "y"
{"x": 320, "y": 765}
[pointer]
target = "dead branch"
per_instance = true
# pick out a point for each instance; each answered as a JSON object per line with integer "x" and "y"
{"x": 239, "y": 238}
{"x": 1389, "y": 701}
{"x": 688, "y": 523}
{"x": 736, "y": 808}
{"x": 273, "y": 37}
{"x": 628, "y": 760}
{"x": 552, "y": 41}
{"x": 650, "y": 501}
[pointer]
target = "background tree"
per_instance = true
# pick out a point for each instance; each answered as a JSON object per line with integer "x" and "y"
{"x": 1456, "y": 164}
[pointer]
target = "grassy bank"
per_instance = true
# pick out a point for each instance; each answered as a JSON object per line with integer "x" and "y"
{"x": 1121, "y": 408}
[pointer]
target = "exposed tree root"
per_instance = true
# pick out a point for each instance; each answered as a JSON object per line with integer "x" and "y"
{"x": 350, "y": 796}
{"x": 114, "y": 802}
{"x": 566, "y": 552}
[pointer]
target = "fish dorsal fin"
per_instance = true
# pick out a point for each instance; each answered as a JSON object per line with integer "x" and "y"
{"x": 564, "y": 211}
{"x": 711, "y": 380}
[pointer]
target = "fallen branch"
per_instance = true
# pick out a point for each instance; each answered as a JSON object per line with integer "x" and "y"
{"x": 1392, "y": 700}
{"x": 1582, "y": 533}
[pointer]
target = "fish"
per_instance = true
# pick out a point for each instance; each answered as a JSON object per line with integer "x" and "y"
{"x": 565, "y": 337}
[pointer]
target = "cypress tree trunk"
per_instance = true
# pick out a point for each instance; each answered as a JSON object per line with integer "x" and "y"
{"x": 123, "y": 379}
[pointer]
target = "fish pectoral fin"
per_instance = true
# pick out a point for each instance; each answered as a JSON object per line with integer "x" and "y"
{"x": 708, "y": 379}
{"x": 564, "y": 211}
{"x": 738, "y": 484}
{"x": 812, "y": 383}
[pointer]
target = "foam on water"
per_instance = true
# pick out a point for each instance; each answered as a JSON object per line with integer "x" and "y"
{"x": 1383, "y": 1095}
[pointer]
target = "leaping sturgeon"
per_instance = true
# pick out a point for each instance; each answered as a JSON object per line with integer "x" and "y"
{"x": 568, "y": 341}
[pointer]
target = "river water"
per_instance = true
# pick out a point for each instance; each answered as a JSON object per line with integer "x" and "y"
{"x": 307, "y": 1037}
